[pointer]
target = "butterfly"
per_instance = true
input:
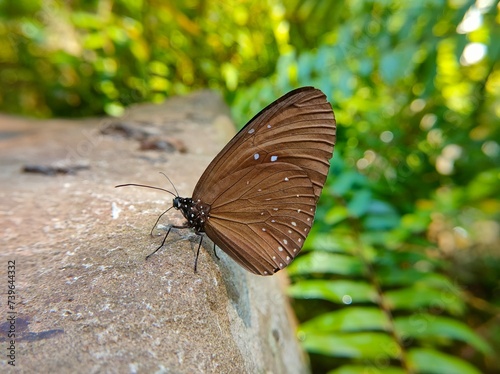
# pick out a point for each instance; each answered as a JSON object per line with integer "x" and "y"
{"x": 257, "y": 198}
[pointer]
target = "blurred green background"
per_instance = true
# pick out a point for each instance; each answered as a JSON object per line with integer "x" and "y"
{"x": 401, "y": 271}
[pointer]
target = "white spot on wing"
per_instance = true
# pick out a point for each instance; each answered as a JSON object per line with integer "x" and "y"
{"x": 294, "y": 224}
{"x": 268, "y": 126}
{"x": 286, "y": 179}
{"x": 251, "y": 131}
{"x": 274, "y": 158}
{"x": 263, "y": 229}
{"x": 280, "y": 248}
{"x": 256, "y": 156}
{"x": 285, "y": 242}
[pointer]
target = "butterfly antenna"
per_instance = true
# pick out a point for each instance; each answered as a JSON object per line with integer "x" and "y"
{"x": 143, "y": 185}
{"x": 175, "y": 189}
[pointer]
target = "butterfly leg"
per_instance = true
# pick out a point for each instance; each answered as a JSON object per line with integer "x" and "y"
{"x": 198, "y": 251}
{"x": 158, "y": 220}
{"x": 215, "y": 253}
{"x": 165, "y": 238}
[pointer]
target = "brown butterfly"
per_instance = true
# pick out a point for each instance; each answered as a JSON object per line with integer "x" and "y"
{"x": 257, "y": 198}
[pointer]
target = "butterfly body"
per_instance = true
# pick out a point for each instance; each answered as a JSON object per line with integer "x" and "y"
{"x": 195, "y": 212}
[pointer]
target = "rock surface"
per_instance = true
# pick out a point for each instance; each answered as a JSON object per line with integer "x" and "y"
{"x": 86, "y": 300}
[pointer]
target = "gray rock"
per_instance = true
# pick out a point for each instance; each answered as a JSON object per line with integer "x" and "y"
{"x": 86, "y": 300}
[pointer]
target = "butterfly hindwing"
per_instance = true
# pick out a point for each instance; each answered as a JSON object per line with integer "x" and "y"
{"x": 262, "y": 224}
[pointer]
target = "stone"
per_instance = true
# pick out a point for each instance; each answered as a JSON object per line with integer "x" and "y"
{"x": 86, "y": 300}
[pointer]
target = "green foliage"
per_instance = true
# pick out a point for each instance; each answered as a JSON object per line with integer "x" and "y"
{"x": 400, "y": 271}
{"x": 380, "y": 283}
{"x": 113, "y": 54}
{"x": 390, "y": 304}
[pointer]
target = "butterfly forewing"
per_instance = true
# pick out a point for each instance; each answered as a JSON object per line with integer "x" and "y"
{"x": 299, "y": 128}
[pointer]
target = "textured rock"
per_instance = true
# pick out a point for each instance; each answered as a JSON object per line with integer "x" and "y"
{"x": 86, "y": 299}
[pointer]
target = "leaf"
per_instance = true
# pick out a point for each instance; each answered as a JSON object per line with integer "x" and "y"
{"x": 348, "y": 181}
{"x": 412, "y": 298}
{"x": 431, "y": 327}
{"x": 344, "y": 291}
{"x": 391, "y": 277}
{"x": 365, "y": 345}
{"x": 335, "y": 215}
{"x": 360, "y": 203}
{"x": 381, "y": 222}
{"x": 484, "y": 184}
{"x": 430, "y": 361}
{"x": 349, "y": 319}
{"x": 328, "y": 263}
{"x": 329, "y": 242}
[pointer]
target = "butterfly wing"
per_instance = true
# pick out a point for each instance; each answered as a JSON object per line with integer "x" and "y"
{"x": 262, "y": 188}
{"x": 299, "y": 128}
{"x": 261, "y": 215}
